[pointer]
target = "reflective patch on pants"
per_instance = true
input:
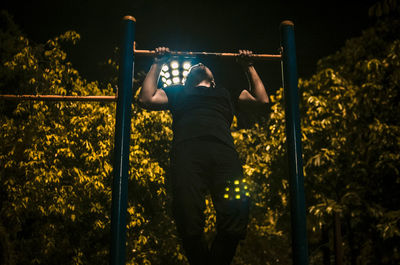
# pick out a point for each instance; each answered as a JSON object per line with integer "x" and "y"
{"x": 237, "y": 189}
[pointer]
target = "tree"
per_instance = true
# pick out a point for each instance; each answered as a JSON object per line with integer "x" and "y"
{"x": 351, "y": 149}
{"x": 55, "y": 175}
{"x": 351, "y": 128}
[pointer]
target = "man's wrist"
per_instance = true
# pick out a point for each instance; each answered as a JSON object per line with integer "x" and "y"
{"x": 248, "y": 66}
{"x": 157, "y": 61}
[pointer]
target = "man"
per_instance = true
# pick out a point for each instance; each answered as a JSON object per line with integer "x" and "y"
{"x": 203, "y": 155}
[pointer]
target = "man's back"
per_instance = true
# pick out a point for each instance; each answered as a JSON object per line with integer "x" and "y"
{"x": 200, "y": 111}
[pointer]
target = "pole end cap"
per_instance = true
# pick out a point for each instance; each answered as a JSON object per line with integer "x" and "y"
{"x": 287, "y": 23}
{"x": 129, "y": 18}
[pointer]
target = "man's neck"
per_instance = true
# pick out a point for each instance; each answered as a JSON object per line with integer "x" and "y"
{"x": 204, "y": 83}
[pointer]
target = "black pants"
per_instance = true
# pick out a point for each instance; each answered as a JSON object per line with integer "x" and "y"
{"x": 199, "y": 166}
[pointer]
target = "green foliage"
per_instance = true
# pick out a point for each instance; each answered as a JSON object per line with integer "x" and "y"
{"x": 262, "y": 149}
{"x": 351, "y": 145}
{"x": 351, "y": 151}
{"x": 56, "y": 168}
{"x": 384, "y": 8}
{"x": 54, "y": 157}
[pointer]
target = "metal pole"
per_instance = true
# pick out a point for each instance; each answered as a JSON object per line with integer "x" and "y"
{"x": 271, "y": 57}
{"x": 293, "y": 136}
{"x": 121, "y": 147}
{"x": 59, "y": 98}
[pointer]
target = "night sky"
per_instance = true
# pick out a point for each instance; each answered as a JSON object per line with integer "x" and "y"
{"x": 321, "y": 28}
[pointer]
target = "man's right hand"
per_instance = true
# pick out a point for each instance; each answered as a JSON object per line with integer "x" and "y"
{"x": 150, "y": 97}
{"x": 162, "y": 55}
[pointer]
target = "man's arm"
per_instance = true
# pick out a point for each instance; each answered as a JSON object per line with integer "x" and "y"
{"x": 150, "y": 97}
{"x": 256, "y": 92}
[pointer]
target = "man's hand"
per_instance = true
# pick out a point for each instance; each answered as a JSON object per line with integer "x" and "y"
{"x": 162, "y": 55}
{"x": 256, "y": 92}
{"x": 245, "y": 58}
{"x": 150, "y": 96}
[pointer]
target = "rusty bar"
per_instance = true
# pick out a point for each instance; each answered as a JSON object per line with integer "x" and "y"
{"x": 261, "y": 57}
{"x": 60, "y": 98}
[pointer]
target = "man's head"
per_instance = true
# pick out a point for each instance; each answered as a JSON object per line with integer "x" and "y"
{"x": 199, "y": 73}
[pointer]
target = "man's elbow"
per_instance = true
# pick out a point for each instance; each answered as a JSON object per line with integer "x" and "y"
{"x": 143, "y": 101}
{"x": 144, "y": 98}
{"x": 264, "y": 101}
{"x": 149, "y": 104}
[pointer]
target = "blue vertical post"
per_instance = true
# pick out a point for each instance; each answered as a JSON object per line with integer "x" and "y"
{"x": 121, "y": 145}
{"x": 293, "y": 139}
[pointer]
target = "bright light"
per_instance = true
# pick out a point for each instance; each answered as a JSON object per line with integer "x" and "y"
{"x": 175, "y": 72}
{"x": 176, "y": 80}
{"x": 186, "y": 65}
{"x": 174, "y": 65}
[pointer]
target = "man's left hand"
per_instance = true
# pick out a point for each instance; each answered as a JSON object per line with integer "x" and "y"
{"x": 245, "y": 57}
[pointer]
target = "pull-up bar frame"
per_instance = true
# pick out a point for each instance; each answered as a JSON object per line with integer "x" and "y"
{"x": 122, "y": 134}
{"x": 264, "y": 57}
{"x": 296, "y": 178}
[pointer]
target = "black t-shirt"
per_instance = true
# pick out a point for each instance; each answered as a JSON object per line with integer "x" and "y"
{"x": 201, "y": 111}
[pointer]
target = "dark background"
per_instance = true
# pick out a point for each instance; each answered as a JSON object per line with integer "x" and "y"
{"x": 321, "y": 28}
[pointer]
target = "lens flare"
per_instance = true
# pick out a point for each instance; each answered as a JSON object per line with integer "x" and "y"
{"x": 174, "y": 65}
{"x": 176, "y": 80}
{"x": 165, "y": 68}
{"x": 186, "y": 65}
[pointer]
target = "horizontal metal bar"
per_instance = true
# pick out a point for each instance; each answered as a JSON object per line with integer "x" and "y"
{"x": 59, "y": 98}
{"x": 266, "y": 57}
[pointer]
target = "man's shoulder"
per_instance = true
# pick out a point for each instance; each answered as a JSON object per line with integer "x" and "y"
{"x": 173, "y": 89}
{"x": 231, "y": 91}
{"x": 172, "y": 93}
{"x": 222, "y": 89}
